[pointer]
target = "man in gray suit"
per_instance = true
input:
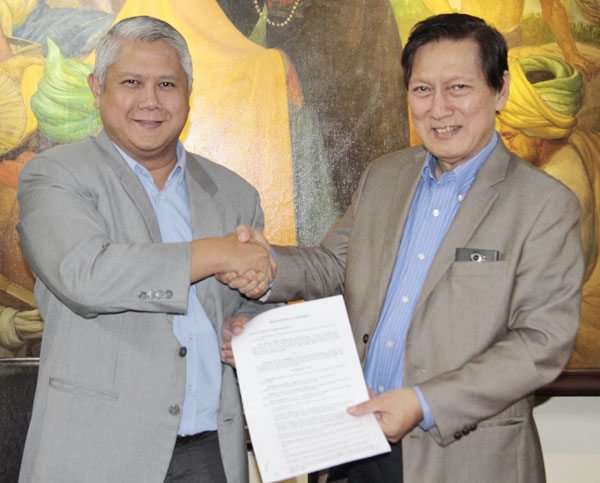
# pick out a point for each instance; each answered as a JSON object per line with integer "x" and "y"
{"x": 461, "y": 268}
{"x": 124, "y": 233}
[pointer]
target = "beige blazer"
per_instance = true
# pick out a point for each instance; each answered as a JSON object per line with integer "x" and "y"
{"x": 484, "y": 336}
{"x": 110, "y": 377}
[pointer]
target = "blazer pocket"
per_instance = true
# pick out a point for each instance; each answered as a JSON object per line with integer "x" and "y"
{"x": 504, "y": 422}
{"x": 82, "y": 389}
{"x": 476, "y": 269}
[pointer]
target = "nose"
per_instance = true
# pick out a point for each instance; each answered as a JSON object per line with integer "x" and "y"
{"x": 440, "y": 105}
{"x": 149, "y": 98}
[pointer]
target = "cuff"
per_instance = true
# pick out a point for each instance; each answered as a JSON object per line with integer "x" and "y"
{"x": 428, "y": 420}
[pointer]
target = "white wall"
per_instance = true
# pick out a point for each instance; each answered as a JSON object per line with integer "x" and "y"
{"x": 569, "y": 429}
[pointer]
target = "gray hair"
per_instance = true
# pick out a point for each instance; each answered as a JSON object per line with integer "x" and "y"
{"x": 144, "y": 28}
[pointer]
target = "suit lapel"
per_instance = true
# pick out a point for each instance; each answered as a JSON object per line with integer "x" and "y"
{"x": 131, "y": 184}
{"x": 405, "y": 187}
{"x": 471, "y": 214}
{"x": 207, "y": 221}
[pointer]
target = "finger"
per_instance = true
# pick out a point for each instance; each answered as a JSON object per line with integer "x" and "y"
{"x": 237, "y": 325}
{"x": 227, "y": 358}
{"x": 259, "y": 291}
{"x": 243, "y": 233}
{"x": 243, "y": 281}
{"x": 362, "y": 408}
{"x": 226, "y": 277}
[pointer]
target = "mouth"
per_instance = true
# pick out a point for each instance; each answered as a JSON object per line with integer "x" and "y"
{"x": 445, "y": 129}
{"x": 148, "y": 123}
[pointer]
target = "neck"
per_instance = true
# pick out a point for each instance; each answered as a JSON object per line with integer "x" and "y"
{"x": 160, "y": 170}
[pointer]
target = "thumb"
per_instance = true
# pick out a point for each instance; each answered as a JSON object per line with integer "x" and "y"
{"x": 362, "y": 408}
{"x": 243, "y": 233}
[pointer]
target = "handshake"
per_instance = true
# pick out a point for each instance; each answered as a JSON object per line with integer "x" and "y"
{"x": 250, "y": 265}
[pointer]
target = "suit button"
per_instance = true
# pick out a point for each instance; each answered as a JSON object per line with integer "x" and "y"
{"x": 182, "y": 351}
{"x": 472, "y": 427}
{"x": 174, "y": 410}
{"x": 159, "y": 294}
{"x": 366, "y": 338}
{"x": 465, "y": 430}
{"x": 143, "y": 296}
{"x": 168, "y": 294}
{"x": 457, "y": 435}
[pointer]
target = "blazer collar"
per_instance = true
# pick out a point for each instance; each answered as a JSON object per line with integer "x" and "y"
{"x": 131, "y": 184}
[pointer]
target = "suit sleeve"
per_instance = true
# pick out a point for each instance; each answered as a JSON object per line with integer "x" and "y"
{"x": 542, "y": 322}
{"x": 315, "y": 272}
{"x": 65, "y": 240}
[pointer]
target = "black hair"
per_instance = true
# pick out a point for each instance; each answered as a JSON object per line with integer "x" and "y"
{"x": 456, "y": 27}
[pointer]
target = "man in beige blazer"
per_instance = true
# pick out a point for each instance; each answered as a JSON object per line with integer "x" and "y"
{"x": 461, "y": 268}
{"x": 124, "y": 233}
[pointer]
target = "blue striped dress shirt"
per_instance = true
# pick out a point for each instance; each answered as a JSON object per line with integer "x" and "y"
{"x": 433, "y": 208}
{"x": 193, "y": 330}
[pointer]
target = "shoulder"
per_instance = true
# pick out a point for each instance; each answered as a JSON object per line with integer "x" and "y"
{"x": 398, "y": 160}
{"x": 389, "y": 168}
{"x": 67, "y": 160}
{"x": 534, "y": 182}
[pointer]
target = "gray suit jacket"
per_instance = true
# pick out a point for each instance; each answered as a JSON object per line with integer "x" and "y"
{"x": 484, "y": 336}
{"x": 110, "y": 377}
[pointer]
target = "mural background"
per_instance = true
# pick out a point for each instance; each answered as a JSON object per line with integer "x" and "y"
{"x": 298, "y": 96}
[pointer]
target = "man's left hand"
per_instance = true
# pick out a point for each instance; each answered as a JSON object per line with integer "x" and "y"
{"x": 397, "y": 412}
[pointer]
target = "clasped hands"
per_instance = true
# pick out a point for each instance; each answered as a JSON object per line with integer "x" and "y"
{"x": 251, "y": 282}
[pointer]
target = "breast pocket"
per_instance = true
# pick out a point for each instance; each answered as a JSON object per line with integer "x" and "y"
{"x": 479, "y": 269}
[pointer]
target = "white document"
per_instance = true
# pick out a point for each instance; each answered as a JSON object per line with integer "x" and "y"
{"x": 298, "y": 371}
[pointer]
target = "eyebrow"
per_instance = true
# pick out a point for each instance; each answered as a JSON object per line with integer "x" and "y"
{"x": 141, "y": 76}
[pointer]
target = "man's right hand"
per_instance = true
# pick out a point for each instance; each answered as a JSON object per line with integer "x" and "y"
{"x": 249, "y": 283}
{"x": 249, "y": 259}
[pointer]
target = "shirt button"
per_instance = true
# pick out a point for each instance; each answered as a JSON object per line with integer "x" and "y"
{"x": 182, "y": 351}
{"x": 421, "y": 256}
{"x": 174, "y": 410}
{"x": 190, "y": 337}
{"x": 389, "y": 344}
{"x": 461, "y": 197}
{"x": 435, "y": 212}
{"x": 380, "y": 388}
{"x": 189, "y": 387}
{"x": 404, "y": 299}
{"x": 366, "y": 338}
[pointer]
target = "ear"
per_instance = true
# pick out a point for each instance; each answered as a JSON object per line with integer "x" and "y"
{"x": 502, "y": 95}
{"x": 95, "y": 88}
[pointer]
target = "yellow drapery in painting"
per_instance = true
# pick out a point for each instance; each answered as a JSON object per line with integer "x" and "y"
{"x": 239, "y": 111}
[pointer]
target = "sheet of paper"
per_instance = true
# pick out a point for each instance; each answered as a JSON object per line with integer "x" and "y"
{"x": 298, "y": 371}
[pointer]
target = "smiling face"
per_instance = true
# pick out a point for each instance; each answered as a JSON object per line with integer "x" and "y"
{"x": 144, "y": 102}
{"x": 452, "y": 106}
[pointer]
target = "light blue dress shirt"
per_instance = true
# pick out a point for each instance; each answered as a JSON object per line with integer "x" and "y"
{"x": 433, "y": 208}
{"x": 193, "y": 330}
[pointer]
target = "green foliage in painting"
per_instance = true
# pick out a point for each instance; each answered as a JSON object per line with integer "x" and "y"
{"x": 63, "y": 103}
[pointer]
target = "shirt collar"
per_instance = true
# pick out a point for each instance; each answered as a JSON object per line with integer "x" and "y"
{"x": 463, "y": 174}
{"x": 140, "y": 170}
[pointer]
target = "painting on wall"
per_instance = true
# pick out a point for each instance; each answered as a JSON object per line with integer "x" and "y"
{"x": 298, "y": 96}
